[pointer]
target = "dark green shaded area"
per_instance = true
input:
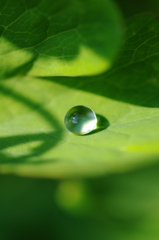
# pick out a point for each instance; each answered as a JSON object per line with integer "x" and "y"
{"x": 121, "y": 206}
{"x": 59, "y": 28}
{"x": 132, "y": 7}
{"x": 134, "y": 78}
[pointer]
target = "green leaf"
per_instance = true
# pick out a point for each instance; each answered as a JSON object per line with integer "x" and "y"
{"x": 69, "y": 38}
{"x": 34, "y": 141}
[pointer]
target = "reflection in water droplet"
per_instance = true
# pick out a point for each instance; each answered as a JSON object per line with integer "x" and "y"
{"x": 80, "y": 120}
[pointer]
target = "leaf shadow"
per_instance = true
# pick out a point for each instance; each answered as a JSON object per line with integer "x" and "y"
{"x": 60, "y": 30}
{"x": 109, "y": 85}
{"x": 21, "y": 70}
{"x": 48, "y": 140}
{"x": 134, "y": 77}
{"x": 102, "y": 124}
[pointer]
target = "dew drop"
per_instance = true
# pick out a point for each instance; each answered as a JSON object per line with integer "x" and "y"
{"x": 80, "y": 120}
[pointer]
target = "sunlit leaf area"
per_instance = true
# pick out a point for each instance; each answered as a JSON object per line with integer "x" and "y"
{"x": 101, "y": 183}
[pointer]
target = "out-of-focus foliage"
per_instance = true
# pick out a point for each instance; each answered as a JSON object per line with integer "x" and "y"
{"x": 132, "y": 7}
{"x": 118, "y": 207}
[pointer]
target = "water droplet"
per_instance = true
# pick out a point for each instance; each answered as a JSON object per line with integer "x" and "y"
{"x": 80, "y": 120}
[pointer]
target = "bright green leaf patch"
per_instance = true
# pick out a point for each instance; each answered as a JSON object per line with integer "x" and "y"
{"x": 47, "y": 38}
{"x": 35, "y": 143}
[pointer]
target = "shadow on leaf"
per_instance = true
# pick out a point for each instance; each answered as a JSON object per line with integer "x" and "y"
{"x": 49, "y": 139}
{"x": 102, "y": 124}
{"x": 134, "y": 78}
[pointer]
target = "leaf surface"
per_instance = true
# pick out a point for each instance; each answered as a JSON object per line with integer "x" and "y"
{"x": 34, "y": 141}
{"x": 68, "y": 38}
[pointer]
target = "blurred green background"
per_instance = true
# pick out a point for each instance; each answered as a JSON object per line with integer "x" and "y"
{"x": 119, "y": 206}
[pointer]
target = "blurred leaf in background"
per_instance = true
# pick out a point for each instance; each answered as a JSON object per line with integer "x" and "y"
{"x": 118, "y": 207}
{"x": 132, "y": 7}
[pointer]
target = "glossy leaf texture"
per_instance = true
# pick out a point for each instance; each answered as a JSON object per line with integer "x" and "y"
{"x": 62, "y": 38}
